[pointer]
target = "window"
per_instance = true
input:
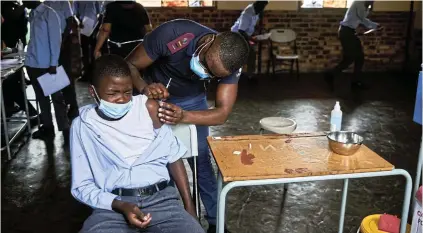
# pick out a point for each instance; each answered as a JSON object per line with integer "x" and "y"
{"x": 326, "y": 3}
{"x": 176, "y": 3}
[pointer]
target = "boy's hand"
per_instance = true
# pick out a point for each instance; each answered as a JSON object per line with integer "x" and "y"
{"x": 191, "y": 210}
{"x": 135, "y": 216}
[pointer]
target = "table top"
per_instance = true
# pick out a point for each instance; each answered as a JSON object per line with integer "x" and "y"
{"x": 254, "y": 157}
{"x": 10, "y": 70}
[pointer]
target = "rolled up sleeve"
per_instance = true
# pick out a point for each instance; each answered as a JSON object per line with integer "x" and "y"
{"x": 55, "y": 37}
{"x": 84, "y": 188}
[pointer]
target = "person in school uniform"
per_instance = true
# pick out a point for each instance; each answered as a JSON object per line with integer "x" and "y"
{"x": 352, "y": 50}
{"x": 246, "y": 25}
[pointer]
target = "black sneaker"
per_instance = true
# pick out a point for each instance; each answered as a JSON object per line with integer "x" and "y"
{"x": 43, "y": 133}
{"x": 212, "y": 229}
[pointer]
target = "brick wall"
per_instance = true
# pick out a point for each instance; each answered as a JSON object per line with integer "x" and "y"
{"x": 316, "y": 30}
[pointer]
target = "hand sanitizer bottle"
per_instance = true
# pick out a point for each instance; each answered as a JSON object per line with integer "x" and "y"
{"x": 336, "y": 118}
{"x": 20, "y": 48}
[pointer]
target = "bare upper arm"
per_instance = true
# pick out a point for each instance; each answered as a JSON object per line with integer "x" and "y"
{"x": 139, "y": 58}
{"x": 226, "y": 96}
{"x": 106, "y": 27}
{"x": 153, "y": 110}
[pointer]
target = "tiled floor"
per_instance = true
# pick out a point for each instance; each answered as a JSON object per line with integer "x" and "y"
{"x": 35, "y": 184}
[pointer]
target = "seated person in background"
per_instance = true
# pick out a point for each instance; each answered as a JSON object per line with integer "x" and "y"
{"x": 121, "y": 158}
{"x": 246, "y": 24}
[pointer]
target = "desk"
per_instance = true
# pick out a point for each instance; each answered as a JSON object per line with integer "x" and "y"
{"x": 6, "y": 73}
{"x": 281, "y": 159}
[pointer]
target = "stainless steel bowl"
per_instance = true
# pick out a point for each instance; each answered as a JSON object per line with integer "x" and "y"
{"x": 344, "y": 143}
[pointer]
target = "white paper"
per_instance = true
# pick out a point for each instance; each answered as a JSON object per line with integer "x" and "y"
{"x": 52, "y": 83}
{"x": 89, "y": 25}
{"x": 369, "y": 31}
{"x": 263, "y": 36}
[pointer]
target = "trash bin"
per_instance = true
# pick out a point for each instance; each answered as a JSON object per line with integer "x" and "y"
{"x": 370, "y": 225}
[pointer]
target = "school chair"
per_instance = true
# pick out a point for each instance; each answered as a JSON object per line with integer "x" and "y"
{"x": 285, "y": 37}
{"x": 187, "y": 134}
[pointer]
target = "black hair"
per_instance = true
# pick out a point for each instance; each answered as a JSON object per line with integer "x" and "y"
{"x": 109, "y": 66}
{"x": 233, "y": 50}
{"x": 259, "y": 6}
{"x": 31, "y": 4}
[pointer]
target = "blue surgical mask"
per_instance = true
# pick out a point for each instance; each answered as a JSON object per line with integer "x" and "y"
{"x": 112, "y": 110}
{"x": 196, "y": 66}
{"x": 198, "y": 69}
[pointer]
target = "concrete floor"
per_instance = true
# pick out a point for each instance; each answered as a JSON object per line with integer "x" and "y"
{"x": 36, "y": 191}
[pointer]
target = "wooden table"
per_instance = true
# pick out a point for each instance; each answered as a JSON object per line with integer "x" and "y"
{"x": 281, "y": 159}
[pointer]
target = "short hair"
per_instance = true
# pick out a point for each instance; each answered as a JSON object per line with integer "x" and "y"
{"x": 233, "y": 50}
{"x": 109, "y": 66}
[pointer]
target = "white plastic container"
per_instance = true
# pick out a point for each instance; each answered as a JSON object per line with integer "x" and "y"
{"x": 336, "y": 118}
{"x": 417, "y": 224}
{"x": 20, "y": 48}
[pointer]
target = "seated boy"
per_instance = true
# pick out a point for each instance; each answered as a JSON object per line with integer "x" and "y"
{"x": 121, "y": 158}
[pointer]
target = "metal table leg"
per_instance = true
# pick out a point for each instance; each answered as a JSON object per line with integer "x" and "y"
{"x": 407, "y": 192}
{"x": 219, "y": 190}
{"x": 4, "y": 121}
{"x": 196, "y": 193}
{"x": 343, "y": 205}
{"x": 23, "y": 85}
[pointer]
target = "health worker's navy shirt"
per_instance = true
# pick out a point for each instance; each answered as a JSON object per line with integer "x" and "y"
{"x": 171, "y": 46}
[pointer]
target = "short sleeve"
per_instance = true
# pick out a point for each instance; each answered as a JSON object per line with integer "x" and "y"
{"x": 109, "y": 14}
{"x": 231, "y": 79}
{"x": 155, "y": 42}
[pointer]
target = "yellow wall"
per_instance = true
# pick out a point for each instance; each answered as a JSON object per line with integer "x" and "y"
{"x": 273, "y": 5}
{"x": 379, "y": 5}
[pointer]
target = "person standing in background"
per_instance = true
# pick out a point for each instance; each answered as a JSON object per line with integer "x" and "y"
{"x": 90, "y": 10}
{"x": 15, "y": 25}
{"x": 245, "y": 25}
{"x": 13, "y": 29}
{"x": 125, "y": 24}
{"x": 43, "y": 57}
{"x": 70, "y": 56}
{"x": 352, "y": 50}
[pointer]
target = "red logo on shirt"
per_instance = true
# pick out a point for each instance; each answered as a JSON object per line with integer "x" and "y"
{"x": 180, "y": 42}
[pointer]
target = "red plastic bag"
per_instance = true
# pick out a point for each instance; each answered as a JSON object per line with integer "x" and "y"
{"x": 389, "y": 223}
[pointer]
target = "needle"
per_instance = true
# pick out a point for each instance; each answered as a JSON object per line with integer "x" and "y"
{"x": 167, "y": 86}
{"x": 168, "y": 83}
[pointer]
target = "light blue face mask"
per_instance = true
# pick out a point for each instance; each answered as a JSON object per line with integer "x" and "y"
{"x": 196, "y": 66}
{"x": 112, "y": 110}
